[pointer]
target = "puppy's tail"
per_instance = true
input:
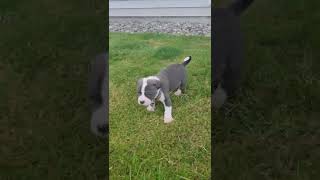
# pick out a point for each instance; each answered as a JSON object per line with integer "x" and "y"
{"x": 238, "y": 6}
{"x": 186, "y": 60}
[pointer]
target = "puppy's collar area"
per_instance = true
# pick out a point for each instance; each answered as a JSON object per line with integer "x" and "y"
{"x": 158, "y": 94}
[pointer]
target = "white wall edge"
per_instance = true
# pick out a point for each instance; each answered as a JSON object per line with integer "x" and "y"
{"x": 157, "y": 4}
{"x": 156, "y": 12}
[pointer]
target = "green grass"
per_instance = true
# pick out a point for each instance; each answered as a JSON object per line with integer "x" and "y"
{"x": 45, "y": 47}
{"x": 141, "y": 145}
{"x": 271, "y": 130}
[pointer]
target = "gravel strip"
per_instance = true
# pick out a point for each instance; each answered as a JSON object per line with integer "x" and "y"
{"x": 177, "y": 28}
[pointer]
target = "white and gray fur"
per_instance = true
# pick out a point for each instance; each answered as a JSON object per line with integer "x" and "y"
{"x": 97, "y": 87}
{"x": 157, "y": 87}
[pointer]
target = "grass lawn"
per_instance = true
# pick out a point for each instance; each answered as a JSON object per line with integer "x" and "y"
{"x": 271, "y": 130}
{"x": 45, "y": 47}
{"x": 141, "y": 145}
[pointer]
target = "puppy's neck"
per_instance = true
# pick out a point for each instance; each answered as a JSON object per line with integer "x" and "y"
{"x": 158, "y": 94}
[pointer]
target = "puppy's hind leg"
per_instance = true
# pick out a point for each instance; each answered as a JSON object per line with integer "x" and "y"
{"x": 233, "y": 73}
{"x": 182, "y": 88}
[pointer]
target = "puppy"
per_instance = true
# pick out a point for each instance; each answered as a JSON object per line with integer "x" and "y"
{"x": 228, "y": 51}
{"x": 157, "y": 87}
{"x": 97, "y": 87}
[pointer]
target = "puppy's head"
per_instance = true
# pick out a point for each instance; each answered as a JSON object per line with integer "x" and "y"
{"x": 147, "y": 90}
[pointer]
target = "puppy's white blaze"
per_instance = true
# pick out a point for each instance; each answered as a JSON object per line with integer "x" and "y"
{"x": 186, "y": 59}
{"x": 168, "y": 114}
{"x": 178, "y": 92}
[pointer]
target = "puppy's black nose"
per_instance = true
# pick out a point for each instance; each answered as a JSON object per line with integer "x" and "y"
{"x": 141, "y": 102}
{"x": 103, "y": 129}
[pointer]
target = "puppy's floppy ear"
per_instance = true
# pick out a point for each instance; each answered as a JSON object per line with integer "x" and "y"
{"x": 157, "y": 84}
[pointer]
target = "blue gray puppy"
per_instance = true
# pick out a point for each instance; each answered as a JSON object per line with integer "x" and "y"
{"x": 157, "y": 87}
{"x": 98, "y": 95}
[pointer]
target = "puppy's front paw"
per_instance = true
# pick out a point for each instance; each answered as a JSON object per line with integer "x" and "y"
{"x": 150, "y": 108}
{"x": 168, "y": 119}
{"x": 219, "y": 98}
